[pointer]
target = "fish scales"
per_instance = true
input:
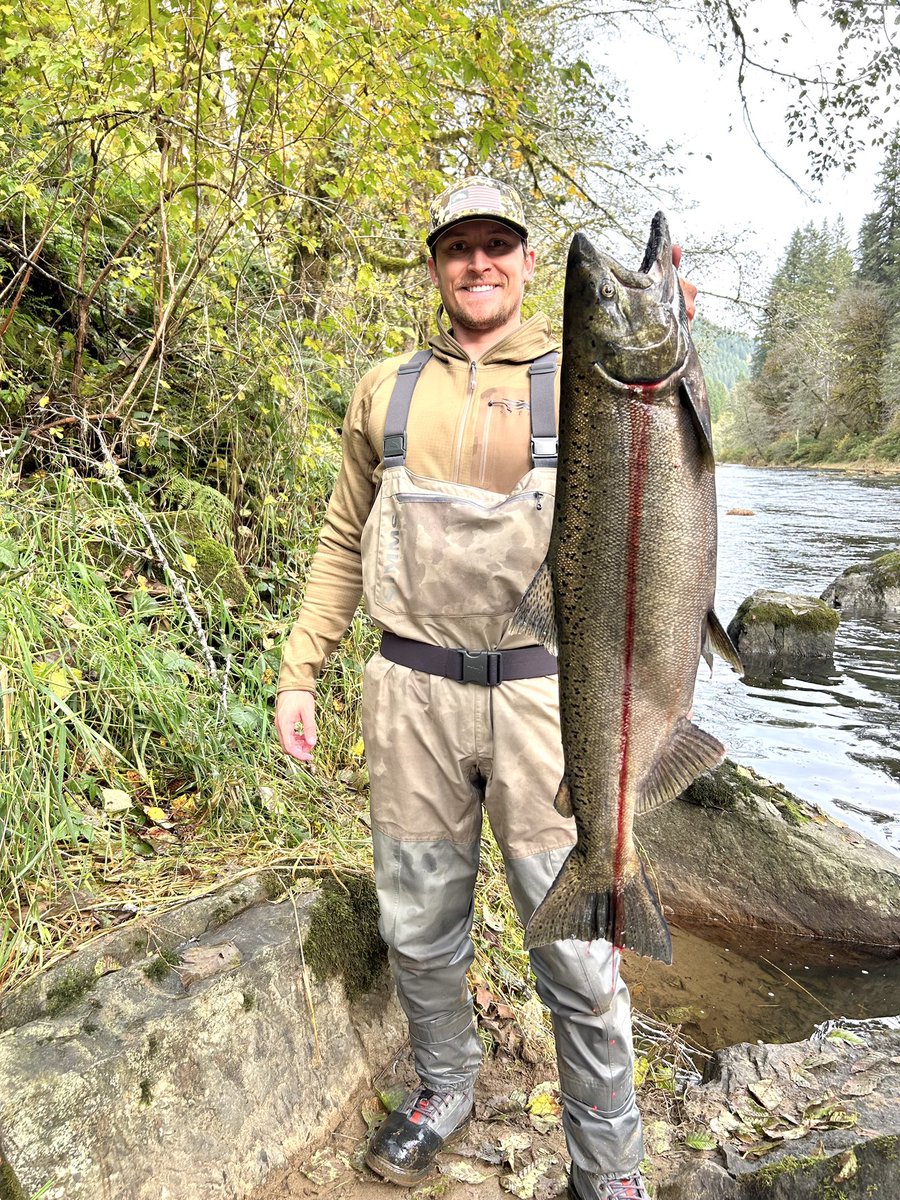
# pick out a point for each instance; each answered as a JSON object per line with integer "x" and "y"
{"x": 626, "y": 594}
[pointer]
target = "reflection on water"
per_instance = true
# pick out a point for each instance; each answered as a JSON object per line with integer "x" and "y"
{"x": 833, "y": 735}
{"x": 724, "y": 990}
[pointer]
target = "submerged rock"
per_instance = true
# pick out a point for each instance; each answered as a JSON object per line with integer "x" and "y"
{"x": 869, "y": 589}
{"x": 813, "y": 1120}
{"x": 773, "y": 627}
{"x": 736, "y": 849}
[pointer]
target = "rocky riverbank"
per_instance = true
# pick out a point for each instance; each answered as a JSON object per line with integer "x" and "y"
{"x": 193, "y": 1055}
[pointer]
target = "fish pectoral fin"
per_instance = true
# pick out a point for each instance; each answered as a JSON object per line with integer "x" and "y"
{"x": 536, "y": 614}
{"x": 699, "y": 421}
{"x": 688, "y": 753}
{"x": 563, "y": 801}
{"x": 717, "y": 639}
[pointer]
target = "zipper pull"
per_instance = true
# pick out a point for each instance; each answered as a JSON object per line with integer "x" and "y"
{"x": 538, "y": 497}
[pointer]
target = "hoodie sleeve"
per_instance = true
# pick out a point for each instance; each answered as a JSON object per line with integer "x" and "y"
{"x": 334, "y": 584}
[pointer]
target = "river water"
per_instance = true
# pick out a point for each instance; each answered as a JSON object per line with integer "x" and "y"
{"x": 831, "y": 736}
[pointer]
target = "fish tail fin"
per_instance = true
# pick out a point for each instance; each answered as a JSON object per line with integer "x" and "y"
{"x": 629, "y": 916}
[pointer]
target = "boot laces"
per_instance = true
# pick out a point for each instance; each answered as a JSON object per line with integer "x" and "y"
{"x": 631, "y": 1188}
{"x": 427, "y": 1106}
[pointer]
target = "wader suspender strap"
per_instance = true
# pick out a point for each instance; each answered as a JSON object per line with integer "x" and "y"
{"x": 398, "y": 409}
{"x": 541, "y": 374}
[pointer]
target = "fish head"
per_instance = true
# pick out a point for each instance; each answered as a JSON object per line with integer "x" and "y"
{"x": 631, "y": 324}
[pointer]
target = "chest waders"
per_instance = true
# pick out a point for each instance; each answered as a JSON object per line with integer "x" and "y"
{"x": 459, "y": 717}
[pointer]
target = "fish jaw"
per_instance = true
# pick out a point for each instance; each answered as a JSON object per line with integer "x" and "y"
{"x": 632, "y": 321}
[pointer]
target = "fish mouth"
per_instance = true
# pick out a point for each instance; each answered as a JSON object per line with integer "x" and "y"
{"x": 654, "y": 382}
{"x": 645, "y": 363}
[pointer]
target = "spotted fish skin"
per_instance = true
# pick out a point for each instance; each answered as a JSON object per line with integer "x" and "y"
{"x": 625, "y": 596}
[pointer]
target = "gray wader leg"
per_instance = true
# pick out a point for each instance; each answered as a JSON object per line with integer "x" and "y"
{"x": 589, "y": 1003}
{"x": 425, "y": 896}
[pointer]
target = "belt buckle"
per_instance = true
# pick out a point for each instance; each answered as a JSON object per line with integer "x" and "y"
{"x": 481, "y": 667}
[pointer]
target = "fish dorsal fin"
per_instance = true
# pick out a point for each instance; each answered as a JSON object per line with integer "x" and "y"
{"x": 536, "y": 614}
{"x": 688, "y": 753}
{"x": 699, "y": 420}
{"x": 716, "y": 638}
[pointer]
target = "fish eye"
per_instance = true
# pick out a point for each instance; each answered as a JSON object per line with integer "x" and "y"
{"x": 607, "y": 291}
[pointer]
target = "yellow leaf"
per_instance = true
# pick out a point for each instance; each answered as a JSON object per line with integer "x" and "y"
{"x": 58, "y": 678}
{"x": 190, "y": 562}
{"x": 543, "y": 1102}
{"x": 358, "y": 749}
{"x": 155, "y": 814}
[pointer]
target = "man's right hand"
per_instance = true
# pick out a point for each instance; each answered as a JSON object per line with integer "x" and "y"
{"x": 293, "y": 708}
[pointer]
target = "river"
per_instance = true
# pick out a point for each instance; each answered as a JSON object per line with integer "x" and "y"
{"x": 831, "y": 736}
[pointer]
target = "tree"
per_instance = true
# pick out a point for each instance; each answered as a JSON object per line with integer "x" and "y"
{"x": 861, "y": 321}
{"x": 879, "y": 237}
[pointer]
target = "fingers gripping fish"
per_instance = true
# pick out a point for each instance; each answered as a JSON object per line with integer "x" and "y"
{"x": 625, "y": 596}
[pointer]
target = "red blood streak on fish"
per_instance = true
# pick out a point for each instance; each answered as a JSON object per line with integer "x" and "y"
{"x": 639, "y": 414}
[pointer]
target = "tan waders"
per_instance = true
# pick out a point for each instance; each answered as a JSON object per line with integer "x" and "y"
{"x": 445, "y": 564}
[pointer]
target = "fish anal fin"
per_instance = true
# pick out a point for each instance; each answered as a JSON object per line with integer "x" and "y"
{"x": 688, "y": 753}
{"x": 536, "y": 613}
{"x": 574, "y": 907}
{"x": 717, "y": 639}
{"x": 563, "y": 801}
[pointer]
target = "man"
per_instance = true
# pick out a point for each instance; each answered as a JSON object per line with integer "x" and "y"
{"x": 441, "y": 516}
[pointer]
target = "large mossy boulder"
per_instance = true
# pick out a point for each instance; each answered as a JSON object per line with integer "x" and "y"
{"x": 188, "y": 1055}
{"x": 738, "y": 850}
{"x": 772, "y": 628}
{"x": 869, "y": 589}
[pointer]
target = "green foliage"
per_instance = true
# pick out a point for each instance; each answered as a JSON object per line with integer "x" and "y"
{"x": 824, "y": 385}
{"x": 119, "y": 757}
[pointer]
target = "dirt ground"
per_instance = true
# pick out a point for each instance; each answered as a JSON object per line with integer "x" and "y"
{"x": 525, "y": 1150}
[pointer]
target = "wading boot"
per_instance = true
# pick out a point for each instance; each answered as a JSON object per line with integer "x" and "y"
{"x": 404, "y": 1147}
{"x": 584, "y": 1186}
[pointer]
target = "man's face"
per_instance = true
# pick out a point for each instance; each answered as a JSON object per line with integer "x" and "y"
{"x": 481, "y": 268}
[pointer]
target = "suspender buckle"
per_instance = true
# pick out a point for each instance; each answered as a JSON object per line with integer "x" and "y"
{"x": 545, "y": 365}
{"x": 395, "y": 445}
{"x": 483, "y": 667}
{"x": 543, "y": 447}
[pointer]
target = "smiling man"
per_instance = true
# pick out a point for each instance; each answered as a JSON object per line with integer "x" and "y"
{"x": 440, "y": 517}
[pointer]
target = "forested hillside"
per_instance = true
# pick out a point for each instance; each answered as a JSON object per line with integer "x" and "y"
{"x": 825, "y": 382}
{"x": 726, "y": 357}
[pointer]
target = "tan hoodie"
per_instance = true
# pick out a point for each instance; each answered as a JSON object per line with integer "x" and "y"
{"x": 470, "y": 423}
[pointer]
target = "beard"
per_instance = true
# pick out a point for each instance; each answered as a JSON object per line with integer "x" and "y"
{"x": 493, "y": 318}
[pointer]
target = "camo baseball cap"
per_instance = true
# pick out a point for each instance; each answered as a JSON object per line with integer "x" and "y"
{"x": 474, "y": 198}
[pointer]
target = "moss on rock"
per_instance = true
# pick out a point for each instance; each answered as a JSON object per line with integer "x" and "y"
{"x": 886, "y": 570}
{"x": 815, "y": 617}
{"x": 343, "y": 937}
{"x": 10, "y": 1188}
{"x": 73, "y": 987}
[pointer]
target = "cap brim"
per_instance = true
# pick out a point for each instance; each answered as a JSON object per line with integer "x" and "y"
{"x": 475, "y": 216}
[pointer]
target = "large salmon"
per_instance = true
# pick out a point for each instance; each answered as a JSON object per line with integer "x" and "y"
{"x": 625, "y": 596}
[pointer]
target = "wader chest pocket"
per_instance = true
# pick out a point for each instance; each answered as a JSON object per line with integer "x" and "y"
{"x": 443, "y": 554}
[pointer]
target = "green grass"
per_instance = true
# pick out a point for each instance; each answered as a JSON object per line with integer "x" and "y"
{"x": 125, "y": 781}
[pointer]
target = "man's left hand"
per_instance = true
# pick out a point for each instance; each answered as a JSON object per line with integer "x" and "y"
{"x": 688, "y": 290}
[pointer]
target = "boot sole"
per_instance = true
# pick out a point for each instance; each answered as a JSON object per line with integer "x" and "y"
{"x": 406, "y": 1178}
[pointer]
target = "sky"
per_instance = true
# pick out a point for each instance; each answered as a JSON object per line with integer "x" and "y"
{"x": 727, "y": 184}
